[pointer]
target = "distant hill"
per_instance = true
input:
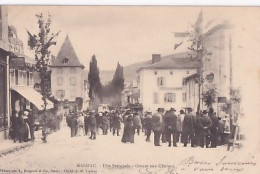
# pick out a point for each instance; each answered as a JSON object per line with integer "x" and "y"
{"x": 129, "y": 72}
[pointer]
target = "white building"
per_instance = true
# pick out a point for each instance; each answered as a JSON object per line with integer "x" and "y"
{"x": 67, "y": 77}
{"x": 161, "y": 83}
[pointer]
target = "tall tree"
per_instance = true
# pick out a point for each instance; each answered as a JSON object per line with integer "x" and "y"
{"x": 118, "y": 79}
{"x": 93, "y": 78}
{"x": 41, "y": 44}
{"x": 198, "y": 52}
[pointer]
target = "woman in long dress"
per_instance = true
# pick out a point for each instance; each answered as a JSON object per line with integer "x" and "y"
{"x": 129, "y": 130}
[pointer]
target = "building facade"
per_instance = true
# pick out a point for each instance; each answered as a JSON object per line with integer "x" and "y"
{"x": 161, "y": 83}
{"x": 4, "y": 74}
{"x": 16, "y": 76}
{"x": 130, "y": 94}
{"x": 68, "y": 83}
{"x": 217, "y": 68}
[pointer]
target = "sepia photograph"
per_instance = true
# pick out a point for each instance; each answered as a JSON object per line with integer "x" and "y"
{"x": 129, "y": 89}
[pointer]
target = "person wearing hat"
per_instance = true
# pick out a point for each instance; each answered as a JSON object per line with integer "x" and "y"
{"x": 157, "y": 124}
{"x": 14, "y": 126}
{"x": 170, "y": 124}
{"x": 116, "y": 123}
{"x": 179, "y": 125}
{"x": 81, "y": 125}
{"x": 129, "y": 130}
{"x": 105, "y": 123}
{"x": 204, "y": 124}
{"x": 73, "y": 125}
{"x": 31, "y": 122}
{"x": 27, "y": 134}
{"x": 21, "y": 127}
{"x": 137, "y": 122}
{"x": 92, "y": 125}
{"x": 213, "y": 129}
{"x": 148, "y": 124}
{"x": 188, "y": 129}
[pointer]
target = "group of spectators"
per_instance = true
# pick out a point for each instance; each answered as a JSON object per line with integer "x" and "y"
{"x": 88, "y": 122}
{"x": 22, "y": 126}
{"x": 25, "y": 122}
{"x": 201, "y": 129}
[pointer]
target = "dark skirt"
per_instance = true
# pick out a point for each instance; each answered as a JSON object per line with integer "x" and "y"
{"x": 128, "y": 135}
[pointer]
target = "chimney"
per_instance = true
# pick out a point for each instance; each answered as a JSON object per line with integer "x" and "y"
{"x": 156, "y": 58}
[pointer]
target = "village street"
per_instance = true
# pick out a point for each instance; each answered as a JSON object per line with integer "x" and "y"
{"x": 63, "y": 154}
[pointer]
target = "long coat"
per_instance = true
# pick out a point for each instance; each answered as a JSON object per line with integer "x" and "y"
{"x": 170, "y": 121}
{"x": 105, "y": 122}
{"x": 92, "y": 123}
{"x": 189, "y": 122}
{"x": 129, "y": 131}
{"x": 157, "y": 122}
{"x": 215, "y": 122}
{"x": 137, "y": 121}
{"x": 204, "y": 124}
{"x": 116, "y": 121}
{"x": 148, "y": 121}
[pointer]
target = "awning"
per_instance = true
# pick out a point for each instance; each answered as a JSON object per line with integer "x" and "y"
{"x": 33, "y": 96}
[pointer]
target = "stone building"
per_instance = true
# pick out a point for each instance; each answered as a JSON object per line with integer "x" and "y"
{"x": 68, "y": 82}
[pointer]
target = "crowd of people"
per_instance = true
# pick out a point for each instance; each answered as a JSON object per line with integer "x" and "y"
{"x": 24, "y": 123}
{"x": 203, "y": 129}
{"x": 22, "y": 126}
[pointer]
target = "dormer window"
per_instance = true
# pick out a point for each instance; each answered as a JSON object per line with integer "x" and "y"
{"x": 65, "y": 60}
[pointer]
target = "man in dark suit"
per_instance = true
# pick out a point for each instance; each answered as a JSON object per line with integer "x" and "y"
{"x": 214, "y": 128}
{"x": 92, "y": 125}
{"x": 188, "y": 131}
{"x": 204, "y": 124}
{"x": 170, "y": 124}
{"x": 148, "y": 125}
{"x": 157, "y": 126}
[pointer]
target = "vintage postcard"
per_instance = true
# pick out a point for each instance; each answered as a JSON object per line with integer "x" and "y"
{"x": 129, "y": 89}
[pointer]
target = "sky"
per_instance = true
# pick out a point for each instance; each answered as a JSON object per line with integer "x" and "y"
{"x": 129, "y": 34}
{"x": 124, "y": 34}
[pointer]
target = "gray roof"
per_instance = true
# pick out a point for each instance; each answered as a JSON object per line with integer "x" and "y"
{"x": 174, "y": 61}
{"x": 66, "y": 52}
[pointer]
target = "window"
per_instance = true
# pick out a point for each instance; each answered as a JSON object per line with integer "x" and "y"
{"x": 155, "y": 98}
{"x": 65, "y": 60}
{"x": 28, "y": 78}
{"x": 188, "y": 72}
{"x": 72, "y": 93}
{"x": 12, "y": 76}
{"x": 155, "y": 72}
{"x": 160, "y": 81}
{"x": 60, "y": 94}
{"x": 20, "y": 78}
{"x": 59, "y": 71}
{"x": 184, "y": 97}
{"x": 16, "y": 76}
{"x": 169, "y": 97}
{"x": 24, "y": 78}
{"x": 73, "y": 80}
{"x": 31, "y": 78}
{"x": 59, "y": 80}
{"x": 171, "y": 72}
{"x": 73, "y": 70}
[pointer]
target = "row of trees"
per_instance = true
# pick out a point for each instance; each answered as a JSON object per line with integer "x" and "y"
{"x": 112, "y": 90}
